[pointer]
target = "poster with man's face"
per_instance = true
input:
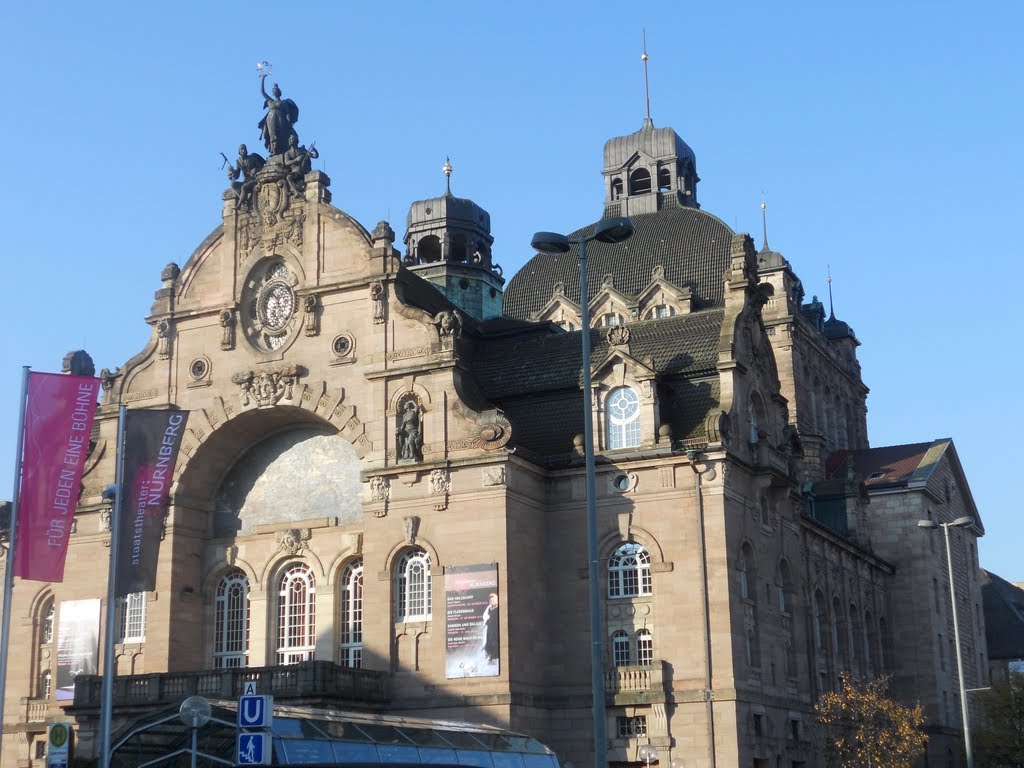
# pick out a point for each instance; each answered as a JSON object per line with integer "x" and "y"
{"x": 78, "y": 644}
{"x": 473, "y": 621}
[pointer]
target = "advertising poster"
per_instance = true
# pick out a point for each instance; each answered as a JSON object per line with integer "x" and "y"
{"x": 472, "y": 614}
{"x": 151, "y": 442}
{"x": 78, "y": 644}
{"x": 58, "y": 420}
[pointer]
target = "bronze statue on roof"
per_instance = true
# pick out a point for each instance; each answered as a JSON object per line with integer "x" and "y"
{"x": 277, "y": 126}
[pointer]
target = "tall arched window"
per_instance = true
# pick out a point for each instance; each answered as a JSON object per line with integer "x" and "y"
{"x": 629, "y": 571}
{"x": 350, "y": 616}
{"x": 616, "y": 189}
{"x": 856, "y": 641}
{"x": 820, "y": 620}
{"x": 412, "y": 586}
{"x": 231, "y": 621}
{"x": 746, "y": 569}
{"x": 785, "y": 588}
{"x": 45, "y": 684}
{"x": 296, "y": 615}
{"x": 46, "y": 625}
{"x": 622, "y": 418}
{"x": 620, "y": 649}
{"x": 664, "y": 179}
{"x": 644, "y": 647}
{"x": 838, "y": 634}
{"x": 871, "y": 640}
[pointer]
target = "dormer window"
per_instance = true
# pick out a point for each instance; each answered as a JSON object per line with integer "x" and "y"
{"x": 616, "y": 189}
{"x": 611, "y": 318}
{"x": 660, "y": 311}
{"x": 640, "y": 182}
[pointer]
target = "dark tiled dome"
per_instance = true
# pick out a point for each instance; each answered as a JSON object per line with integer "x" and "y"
{"x": 691, "y": 245}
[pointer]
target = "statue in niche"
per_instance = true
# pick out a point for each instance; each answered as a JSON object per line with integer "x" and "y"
{"x": 297, "y": 160}
{"x": 409, "y": 436}
{"x": 277, "y": 126}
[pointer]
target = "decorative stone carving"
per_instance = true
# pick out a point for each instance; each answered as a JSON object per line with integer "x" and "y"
{"x": 230, "y": 555}
{"x": 408, "y": 431}
{"x": 104, "y": 520}
{"x": 383, "y": 231}
{"x": 310, "y": 305}
{"x": 377, "y": 297}
{"x": 266, "y": 387}
{"x": 380, "y": 488}
{"x": 440, "y": 482}
{"x": 163, "y": 339}
{"x": 494, "y": 475}
{"x": 494, "y": 434}
{"x": 411, "y": 526}
{"x": 227, "y": 324}
{"x": 294, "y": 540}
{"x": 617, "y": 335}
{"x": 108, "y": 377}
{"x": 449, "y": 328}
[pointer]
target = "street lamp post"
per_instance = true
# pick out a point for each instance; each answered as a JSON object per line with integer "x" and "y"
{"x": 960, "y": 522}
{"x": 613, "y": 230}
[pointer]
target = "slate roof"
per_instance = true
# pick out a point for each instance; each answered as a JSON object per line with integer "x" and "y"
{"x": 692, "y": 245}
{"x": 535, "y": 376}
{"x": 1003, "y": 604}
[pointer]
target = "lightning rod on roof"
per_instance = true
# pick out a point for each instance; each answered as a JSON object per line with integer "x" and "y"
{"x": 647, "y": 87}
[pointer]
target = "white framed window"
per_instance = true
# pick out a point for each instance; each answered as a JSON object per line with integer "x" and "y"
{"x": 622, "y": 418}
{"x": 659, "y": 311}
{"x": 132, "y": 612}
{"x": 644, "y": 647}
{"x": 231, "y": 621}
{"x": 609, "y": 319}
{"x": 620, "y": 649}
{"x": 45, "y": 684}
{"x": 350, "y": 616}
{"x": 629, "y": 572}
{"x": 296, "y": 615}
{"x": 412, "y": 586}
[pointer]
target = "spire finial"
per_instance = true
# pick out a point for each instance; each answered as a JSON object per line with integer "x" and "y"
{"x": 447, "y": 168}
{"x": 831, "y": 308}
{"x": 647, "y": 87}
{"x": 764, "y": 220}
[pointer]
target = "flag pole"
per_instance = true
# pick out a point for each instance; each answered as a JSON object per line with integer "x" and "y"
{"x": 5, "y": 630}
{"x": 107, "y": 699}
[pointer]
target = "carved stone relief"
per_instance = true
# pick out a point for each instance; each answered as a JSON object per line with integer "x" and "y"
{"x": 293, "y": 540}
{"x": 227, "y": 324}
{"x": 266, "y": 387}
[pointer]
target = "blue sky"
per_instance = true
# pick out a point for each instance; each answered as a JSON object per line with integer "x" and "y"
{"x": 884, "y": 136}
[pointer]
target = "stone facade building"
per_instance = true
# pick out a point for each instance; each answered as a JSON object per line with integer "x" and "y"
{"x": 368, "y": 426}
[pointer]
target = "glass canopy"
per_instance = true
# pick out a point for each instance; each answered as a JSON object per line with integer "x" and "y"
{"x": 303, "y": 736}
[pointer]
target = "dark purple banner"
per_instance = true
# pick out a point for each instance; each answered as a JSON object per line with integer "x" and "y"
{"x": 58, "y": 420}
{"x": 151, "y": 443}
{"x": 472, "y": 636}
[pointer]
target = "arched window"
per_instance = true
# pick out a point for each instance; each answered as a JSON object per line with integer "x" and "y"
{"x": 609, "y": 319}
{"x": 838, "y": 633}
{"x": 871, "y": 639}
{"x": 620, "y": 649}
{"x": 622, "y": 418}
{"x": 856, "y": 641}
{"x": 616, "y": 189}
{"x": 746, "y": 569}
{"x": 664, "y": 180}
{"x": 350, "y": 619}
{"x": 231, "y": 621}
{"x": 412, "y": 586}
{"x": 785, "y": 588}
{"x": 45, "y": 685}
{"x": 296, "y": 615}
{"x": 640, "y": 182}
{"x": 46, "y": 625}
{"x": 820, "y": 620}
{"x": 629, "y": 571}
{"x": 429, "y": 249}
{"x": 644, "y": 647}
{"x": 661, "y": 310}
{"x": 132, "y": 612}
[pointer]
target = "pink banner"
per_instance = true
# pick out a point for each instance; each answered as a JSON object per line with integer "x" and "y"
{"x": 58, "y": 420}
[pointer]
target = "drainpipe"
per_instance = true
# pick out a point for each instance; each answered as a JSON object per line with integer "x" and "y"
{"x": 706, "y": 606}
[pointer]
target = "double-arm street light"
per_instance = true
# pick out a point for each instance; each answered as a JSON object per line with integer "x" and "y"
{"x": 613, "y": 230}
{"x": 960, "y": 522}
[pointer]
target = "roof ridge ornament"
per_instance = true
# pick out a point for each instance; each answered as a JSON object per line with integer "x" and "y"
{"x": 447, "y": 168}
{"x": 647, "y": 87}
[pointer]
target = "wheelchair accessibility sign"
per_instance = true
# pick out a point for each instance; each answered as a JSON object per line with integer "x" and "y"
{"x": 254, "y": 748}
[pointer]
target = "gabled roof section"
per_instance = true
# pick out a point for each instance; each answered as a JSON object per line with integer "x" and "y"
{"x": 692, "y": 246}
{"x": 684, "y": 345}
{"x": 1003, "y": 604}
{"x": 910, "y": 466}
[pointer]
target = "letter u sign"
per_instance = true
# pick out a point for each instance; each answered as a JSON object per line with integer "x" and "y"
{"x": 255, "y": 711}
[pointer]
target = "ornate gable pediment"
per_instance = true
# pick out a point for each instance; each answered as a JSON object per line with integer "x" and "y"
{"x": 661, "y": 292}
{"x": 559, "y": 309}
